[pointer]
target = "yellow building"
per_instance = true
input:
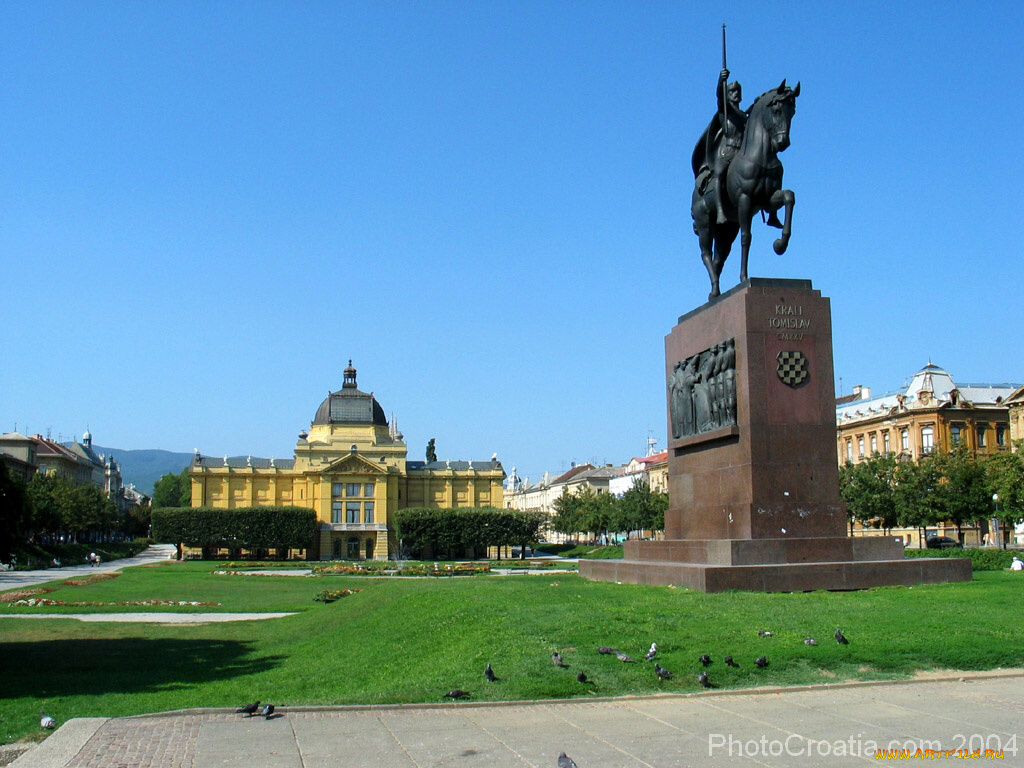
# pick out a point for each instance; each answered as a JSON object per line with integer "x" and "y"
{"x": 351, "y": 468}
{"x": 1015, "y": 405}
{"x": 931, "y": 413}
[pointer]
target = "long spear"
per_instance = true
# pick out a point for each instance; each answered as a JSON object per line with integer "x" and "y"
{"x": 725, "y": 86}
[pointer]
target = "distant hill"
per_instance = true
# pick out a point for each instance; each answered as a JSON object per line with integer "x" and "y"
{"x": 143, "y": 468}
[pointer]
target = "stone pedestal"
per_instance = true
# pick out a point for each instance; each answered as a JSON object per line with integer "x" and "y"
{"x": 753, "y": 474}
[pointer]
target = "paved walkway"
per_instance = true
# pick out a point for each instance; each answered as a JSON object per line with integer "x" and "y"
{"x": 824, "y": 726}
{"x": 13, "y": 579}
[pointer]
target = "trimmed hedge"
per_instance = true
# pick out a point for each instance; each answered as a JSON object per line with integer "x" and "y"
{"x": 446, "y": 531}
{"x": 243, "y": 528}
{"x": 981, "y": 559}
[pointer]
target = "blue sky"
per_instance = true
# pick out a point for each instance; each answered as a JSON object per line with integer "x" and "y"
{"x": 206, "y": 209}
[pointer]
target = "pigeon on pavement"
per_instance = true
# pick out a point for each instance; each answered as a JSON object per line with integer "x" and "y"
{"x": 761, "y": 661}
{"x": 267, "y": 711}
{"x": 564, "y": 761}
{"x": 556, "y": 659}
{"x": 489, "y": 673}
{"x": 45, "y": 721}
{"x": 250, "y": 709}
{"x": 841, "y": 638}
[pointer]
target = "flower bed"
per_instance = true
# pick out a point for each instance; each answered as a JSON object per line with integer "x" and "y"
{"x": 414, "y": 569}
{"x": 22, "y": 594}
{"x": 331, "y": 595}
{"x": 92, "y": 579}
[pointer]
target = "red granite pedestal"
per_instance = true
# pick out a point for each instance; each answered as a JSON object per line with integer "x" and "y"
{"x": 753, "y": 476}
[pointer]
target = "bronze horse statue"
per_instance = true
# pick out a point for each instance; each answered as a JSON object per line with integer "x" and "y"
{"x": 753, "y": 183}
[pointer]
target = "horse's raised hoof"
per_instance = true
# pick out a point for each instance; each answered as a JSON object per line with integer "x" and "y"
{"x": 781, "y": 245}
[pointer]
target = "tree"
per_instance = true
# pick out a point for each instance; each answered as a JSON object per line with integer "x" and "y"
{"x": 14, "y": 509}
{"x": 597, "y": 511}
{"x": 964, "y": 491}
{"x": 173, "y": 491}
{"x": 1006, "y": 480}
{"x": 640, "y": 509}
{"x": 918, "y": 502}
{"x": 567, "y": 519}
{"x": 868, "y": 488}
{"x": 431, "y": 451}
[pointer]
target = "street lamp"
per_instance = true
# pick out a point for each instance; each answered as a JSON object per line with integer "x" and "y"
{"x": 998, "y": 527}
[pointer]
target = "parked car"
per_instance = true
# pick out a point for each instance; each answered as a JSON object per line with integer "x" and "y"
{"x": 943, "y": 542}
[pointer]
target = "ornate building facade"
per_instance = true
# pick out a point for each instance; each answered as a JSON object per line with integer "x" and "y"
{"x": 352, "y": 469}
{"x": 932, "y": 413}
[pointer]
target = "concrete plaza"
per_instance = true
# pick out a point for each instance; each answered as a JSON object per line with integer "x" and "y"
{"x": 839, "y": 725}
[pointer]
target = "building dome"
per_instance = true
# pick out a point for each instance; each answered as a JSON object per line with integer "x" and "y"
{"x": 350, "y": 406}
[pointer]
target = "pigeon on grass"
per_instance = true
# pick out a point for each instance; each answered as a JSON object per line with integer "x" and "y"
{"x": 456, "y": 693}
{"x": 761, "y": 662}
{"x": 45, "y": 721}
{"x": 841, "y": 638}
{"x": 582, "y": 677}
{"x": 624, "y": 658}
{"x": 706, "y": 660}
{"x": 489, "y": 673}
{"x": 556, "y": 659}
{"x": 249, "y": 709}
{"x": 764, "y": 633}
{"x": 702, "y": 678}
{"x": 606, "y": 650}
{"x": 661, "y": 672}
{"x": 652, "y": 652}
{"x": 810, "y": 641}
{"x": 729, "y": 662}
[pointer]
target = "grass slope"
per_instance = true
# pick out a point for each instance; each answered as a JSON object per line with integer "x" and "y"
{"x": 410, "y": 640}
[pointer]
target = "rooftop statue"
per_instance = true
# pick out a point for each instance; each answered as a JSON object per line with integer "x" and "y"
{"x": 737, "y": 172}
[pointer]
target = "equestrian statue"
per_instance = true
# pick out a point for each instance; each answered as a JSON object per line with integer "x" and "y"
{"x": 737, "y": 172}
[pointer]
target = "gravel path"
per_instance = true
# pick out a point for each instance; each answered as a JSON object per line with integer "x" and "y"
{"x": 157, "y": 618}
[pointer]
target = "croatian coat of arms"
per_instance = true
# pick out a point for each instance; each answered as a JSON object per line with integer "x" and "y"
{"x": 792, "y": 368}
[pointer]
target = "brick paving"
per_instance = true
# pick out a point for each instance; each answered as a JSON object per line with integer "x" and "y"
{"x": 142, "y": 742}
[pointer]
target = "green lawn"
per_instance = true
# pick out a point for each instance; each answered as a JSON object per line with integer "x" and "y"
{"x": 411, "y": 640}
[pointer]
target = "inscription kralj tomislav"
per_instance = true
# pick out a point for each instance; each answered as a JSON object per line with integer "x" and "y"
{"x": 737, "y": 172}
{"x": 702, "y": 391}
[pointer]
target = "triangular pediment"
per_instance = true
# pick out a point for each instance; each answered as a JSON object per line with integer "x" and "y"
{"x": 354, "y": 464}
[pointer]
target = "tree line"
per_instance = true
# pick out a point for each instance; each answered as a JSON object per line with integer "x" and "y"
{"x": 956, "y": 486}
{"x": 50, "y": 508}
{"x": 588, "y": 511}
{"x": 425, "y": 532}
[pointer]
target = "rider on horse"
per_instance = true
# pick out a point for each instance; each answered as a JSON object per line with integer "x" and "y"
{"x": 719, "y": 143}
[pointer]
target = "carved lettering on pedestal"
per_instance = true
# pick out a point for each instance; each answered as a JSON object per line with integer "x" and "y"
{"x": 702, "y": 391}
